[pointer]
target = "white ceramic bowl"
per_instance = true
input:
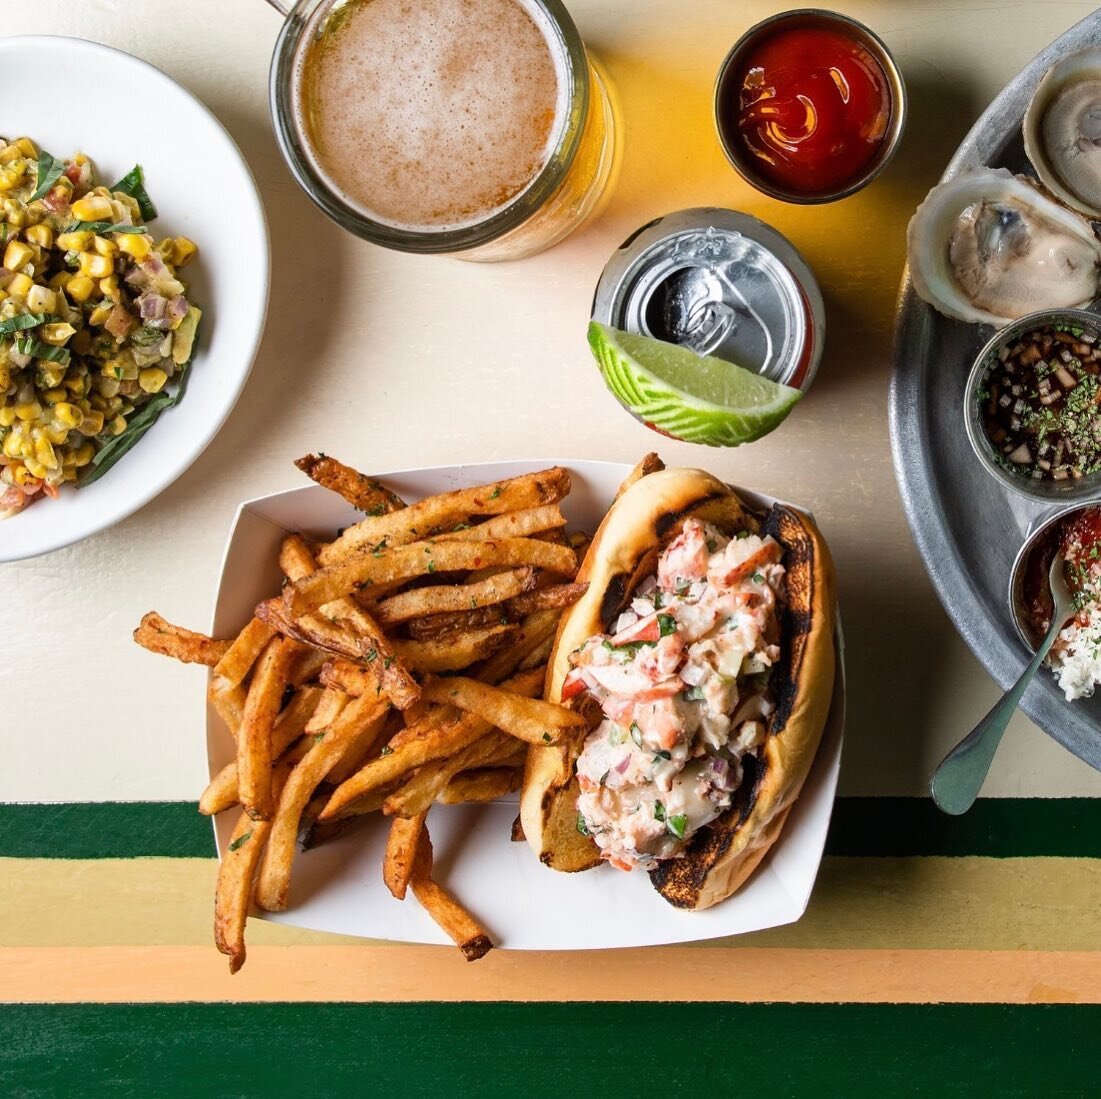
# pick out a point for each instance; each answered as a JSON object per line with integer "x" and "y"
{"x": 203, "y": 189}
{"x": 525, "y": 906}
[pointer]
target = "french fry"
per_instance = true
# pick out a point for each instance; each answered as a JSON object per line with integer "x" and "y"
{"x": 243, "y": 653}
{"x": 554, "y": 597}
{"x": 436, "y": 738}
{"x": 421, "y": 559}
{"x": 426, "y": 784}
{"x": 465, "y": 931}
{"x": 235, "y": 875}
{"x": 367, "y": 636}
{"x": 533, "y": 633}
{"x": 352, "y": 761}
{"x": 254, "y": 743}
{"x": 455, "y": 651}
{"x": 328, "y": 710}
{"x": 160, "y": 636}
{"x": 229, "y": 701}
{"x": 401, "y": 849}
{"x": 443, "y": 512}
{"x": 650, "y": 463}
{"x": 538, "y": 656}
{"x": 511, "y": 524}
{"x": 517, "y": 835}
{"x": 481, "y": 784}
{"x": 419, "y": 602}
{"x": 529, "y": 719}
{"x": 306, "y": 666}
{"x": 362, "y": 492}
{"x": 359, "y": 722}
{"x": 453, "y": 622}
{"x": 293, "y": 721}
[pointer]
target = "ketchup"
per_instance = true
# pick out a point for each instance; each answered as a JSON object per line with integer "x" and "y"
{"x": 809, "y": 107}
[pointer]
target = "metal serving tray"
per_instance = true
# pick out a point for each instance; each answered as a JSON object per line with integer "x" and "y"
{"x": 967, "y": 527}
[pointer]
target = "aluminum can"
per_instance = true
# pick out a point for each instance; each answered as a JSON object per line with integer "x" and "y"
{"x": 722, "y": 283}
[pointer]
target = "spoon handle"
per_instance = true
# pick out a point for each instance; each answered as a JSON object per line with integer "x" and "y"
{"x": 959, "y": 778}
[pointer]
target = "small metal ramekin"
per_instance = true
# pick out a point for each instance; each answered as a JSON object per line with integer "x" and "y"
{"x": 1048, "y": 492}
{"x": 1020, "y": 566}
{"x": 816, "y": 18}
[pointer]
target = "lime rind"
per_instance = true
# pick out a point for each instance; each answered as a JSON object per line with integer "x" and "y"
{"x": 757, "y": 406}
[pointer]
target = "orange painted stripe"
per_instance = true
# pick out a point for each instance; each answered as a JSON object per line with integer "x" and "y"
{"x": 386, "y": 973}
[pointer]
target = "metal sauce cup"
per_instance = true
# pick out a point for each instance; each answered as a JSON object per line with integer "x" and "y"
{"x": 1048, "y": 492}
{"x": 810, "y": 18}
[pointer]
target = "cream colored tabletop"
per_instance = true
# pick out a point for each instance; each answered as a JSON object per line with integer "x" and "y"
{"x": 393, "y": 361}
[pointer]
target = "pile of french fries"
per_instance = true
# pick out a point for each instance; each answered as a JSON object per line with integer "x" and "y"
{"x": 399, "y": 668}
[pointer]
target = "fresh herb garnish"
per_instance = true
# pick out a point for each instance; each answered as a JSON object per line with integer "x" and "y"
{"x": 27, "y": 345}
{"x": 662, "y": 755}
{"x": 24, "y": 321}
{"x": 667, "y": 624}
{"x": 677, "y": 825}
{"x": 431, "y": 566}
{"x": 547, "y": 737}
{"x": 582, "y": 827}
{"x": 133, "y": 184}
{"x": 388, "y": 661}
{"x": 604, "y": 777}
{"x": 49, "y": 172}
{"x": 636, "y": 733}
{"x": 240, "y": 841}
{"x": 101, "y": 227}
{"x": 371, "y": 655}
{"x": 386, "y": 750}
{"x": 659, "y": 599}
{"x": 318, "y": 737}
{"x": 378, "y": 509}
{"x": 495, "y": 493}
{"x": 757, "y": 578}
{"x": 659, "y": 811}
{"x": 692, "y": 694}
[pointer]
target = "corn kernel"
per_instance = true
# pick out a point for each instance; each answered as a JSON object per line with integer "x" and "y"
{"x": 9, "y": 153}
{"x": 95, "y": 266}
{"x": 92, "y": 207}
{"x": 11, "y": 175}
{"x": 92, "y": 424}
{"x": 36, "y": 469}
{"x": 28, "y": 410}
{"x": 27, "y": 147}
{"x": 7, "y": 415}
{"x": 78, "y": 241}
{"x": 45, "y": 453}
{"x": 152, "y": 379}
{"x": 118, "y": 425}
{"x": 109, "y": 287}
{"x": 17, "y": 254}
{"x": 57, "y": 334}
{"x": 183, "y": 250}
{"x": 42, "y": 235}
{"x": 20, "y": 286}
{"x": 23, "y": 476}
{"x": 136, "y": 245}
{"x": 104, "y": 246}
{"x": 69, "y": 414}
{"x": 60, "y": 280}
{"x": 54, "y": 396}
{"x": 11, "y": 445}
{"x": 99, "y": 315}
{"x": 79, "y": 288}
{"x": 56, "y": 433}
{"x": 84, "y": 453}
{"x": 107, "y": 386}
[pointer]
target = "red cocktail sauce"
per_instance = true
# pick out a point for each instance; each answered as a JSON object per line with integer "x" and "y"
{"x": 809, "y": 107}
{"x": 1077, "y": 538}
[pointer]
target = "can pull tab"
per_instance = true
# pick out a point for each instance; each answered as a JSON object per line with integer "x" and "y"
{"x": 708, "y": 325}
{"x": 691, "y": 310}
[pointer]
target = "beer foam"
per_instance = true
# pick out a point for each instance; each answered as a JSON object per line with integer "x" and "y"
{"x": 431, "y": 115}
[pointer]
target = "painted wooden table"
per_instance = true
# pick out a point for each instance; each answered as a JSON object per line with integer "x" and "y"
{"x": 938, "y": 953}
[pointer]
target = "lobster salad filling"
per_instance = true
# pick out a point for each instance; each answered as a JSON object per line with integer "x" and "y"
{"x": 683, "y": 687}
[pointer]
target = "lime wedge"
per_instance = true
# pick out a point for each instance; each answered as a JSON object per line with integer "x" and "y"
{"x": 700, "y": 399}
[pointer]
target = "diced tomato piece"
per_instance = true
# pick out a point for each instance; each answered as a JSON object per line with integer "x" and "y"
{"x": 572, "y": 685}
{"x": 645, "y": 629}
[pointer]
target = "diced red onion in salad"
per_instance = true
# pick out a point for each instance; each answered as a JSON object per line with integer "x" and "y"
{"x": 694, "y": 674}
{"x": 152, "y": 306}
{"x": 625, "y": 620}
{"x": 623, "y": 764}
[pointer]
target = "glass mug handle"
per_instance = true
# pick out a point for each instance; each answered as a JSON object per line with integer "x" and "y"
{"x": 281, "y": 6}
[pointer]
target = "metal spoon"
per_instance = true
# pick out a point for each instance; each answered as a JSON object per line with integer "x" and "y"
{"x": 959, "y": 778}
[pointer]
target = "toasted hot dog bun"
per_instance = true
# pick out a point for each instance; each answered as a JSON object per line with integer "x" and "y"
{"x": 625, "y": 550}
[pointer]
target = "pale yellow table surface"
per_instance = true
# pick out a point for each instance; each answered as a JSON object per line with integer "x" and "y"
{"x": 393, "y": 361}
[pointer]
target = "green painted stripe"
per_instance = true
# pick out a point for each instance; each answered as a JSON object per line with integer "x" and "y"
{"x": 546, "y": 1049}
{"x": 861, "y": 827}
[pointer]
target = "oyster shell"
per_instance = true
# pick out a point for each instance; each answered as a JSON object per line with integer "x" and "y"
{"x": 1062, "y": 130}
{"x": 989, "y": 246}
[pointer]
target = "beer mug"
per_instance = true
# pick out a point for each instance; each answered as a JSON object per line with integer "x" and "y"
{"x": 481, "y": 129}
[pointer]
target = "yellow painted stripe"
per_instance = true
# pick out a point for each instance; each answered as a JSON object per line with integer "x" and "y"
{"x": 1047, "y": 904}
{"x": 374, "y": 973}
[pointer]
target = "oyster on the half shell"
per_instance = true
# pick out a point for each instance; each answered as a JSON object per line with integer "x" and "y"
{"x": 988, "y": 247}
{"x": 1062, "y": 130}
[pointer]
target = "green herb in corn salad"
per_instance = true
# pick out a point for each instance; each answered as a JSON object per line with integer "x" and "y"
{"x": 94, "y": 321}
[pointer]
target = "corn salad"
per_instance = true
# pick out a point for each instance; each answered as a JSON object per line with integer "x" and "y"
{"x": 94, "y": 321}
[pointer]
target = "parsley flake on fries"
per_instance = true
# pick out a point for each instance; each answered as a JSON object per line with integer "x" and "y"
{"x": 399, "y": 669}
